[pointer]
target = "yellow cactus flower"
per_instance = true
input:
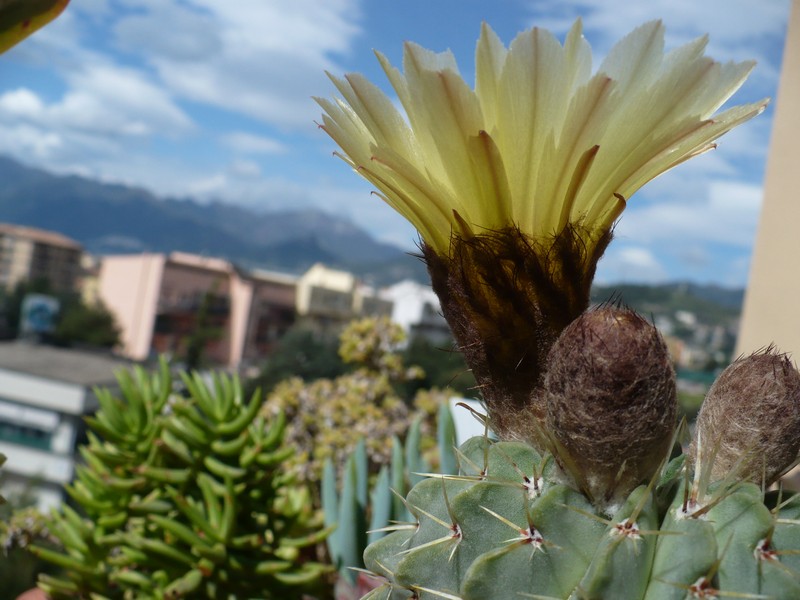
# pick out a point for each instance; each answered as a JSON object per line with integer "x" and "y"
{"x": 515, "y": 185}
{"x": 540, "y": 141}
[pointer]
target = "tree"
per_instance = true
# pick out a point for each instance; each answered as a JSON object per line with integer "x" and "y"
{"x": 300, "y": 353}
{"x": 78, "y": 322}
{"x": 202, "y": 333}
{"x": 444, "y": 367}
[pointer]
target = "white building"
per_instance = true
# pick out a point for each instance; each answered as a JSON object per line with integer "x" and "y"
{"x": 418, "y": 311}
{"x": 328, "y": 299}
{"x": 45, "y": 393}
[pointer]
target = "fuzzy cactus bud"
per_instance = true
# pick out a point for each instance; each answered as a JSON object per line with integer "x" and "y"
{"x": 750, "y": 420}
{"x": 610, "y": 398}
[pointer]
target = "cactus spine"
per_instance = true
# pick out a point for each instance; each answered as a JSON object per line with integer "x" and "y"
{"x": 363, "y": 514}
{"x": 515, "y": 186}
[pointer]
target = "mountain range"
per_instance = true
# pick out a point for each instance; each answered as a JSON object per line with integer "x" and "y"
{"x": 115, "y": 219}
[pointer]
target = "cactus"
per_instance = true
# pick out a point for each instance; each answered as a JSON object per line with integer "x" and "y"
{"x": 515, "y": 187}
{"x": 568, "y": 520}
{"x": 363, "y": 514}
{"x": 185, "y": 496}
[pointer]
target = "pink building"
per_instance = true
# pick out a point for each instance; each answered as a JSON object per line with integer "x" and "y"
{"x": 159, "y": 301}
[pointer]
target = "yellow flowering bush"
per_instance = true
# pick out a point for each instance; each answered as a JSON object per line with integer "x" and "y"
{"x": 328, "y": 416}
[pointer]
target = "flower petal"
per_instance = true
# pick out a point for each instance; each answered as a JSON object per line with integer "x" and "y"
{"x": 540, "y": 143}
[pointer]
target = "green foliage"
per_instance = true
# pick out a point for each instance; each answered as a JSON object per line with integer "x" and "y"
{"x": 302, "y": 354}
{"x": 372, "y": 344}
{"x": 184, "y": 496}
{"x": 689, "y": 404}
{"x": 328, "y": 416}
{"x": 202, "y": 333}
{"x": 713, "y": 306}
{"x": 355, "y": 508}
{"x": 507, "y": 527}
{"x": 443, "y": 368}
{"x": 78, "y": 322}
{"x": 20, "y": 526}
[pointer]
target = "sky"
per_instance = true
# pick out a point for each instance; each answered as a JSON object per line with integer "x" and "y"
{"x": 212, "y": 99}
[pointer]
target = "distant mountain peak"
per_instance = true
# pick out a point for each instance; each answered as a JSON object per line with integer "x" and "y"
{"x": 114, "y": 218}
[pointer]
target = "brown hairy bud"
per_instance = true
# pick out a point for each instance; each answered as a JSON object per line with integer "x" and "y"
{"x": 750, "y": 420}
{"x": 507, "y": 297}
{"x": 611, "y": 405}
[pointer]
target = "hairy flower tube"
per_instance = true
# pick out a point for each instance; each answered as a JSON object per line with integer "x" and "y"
{"x": 515, "y": 185}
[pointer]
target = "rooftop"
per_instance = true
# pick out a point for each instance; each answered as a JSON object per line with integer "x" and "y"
{"x": 209, "y": 263}
{"x": 78, "y": 367}
{"x": 41, "y": 236}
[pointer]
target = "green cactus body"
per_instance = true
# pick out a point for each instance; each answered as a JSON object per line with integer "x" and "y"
{"x": 492, "y": 533}
{"x": 349, "y": 509}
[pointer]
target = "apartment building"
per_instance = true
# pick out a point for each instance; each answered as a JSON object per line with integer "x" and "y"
{"x": 28, "y": 254}
{"x": 328, "y": 299}
{"x": 162, "y": 300}
{"x": 45, "y": 392}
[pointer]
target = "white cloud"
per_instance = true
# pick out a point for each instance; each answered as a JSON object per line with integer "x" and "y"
{"x": 29, "y": 142}
{"x": 264, "y": 59}
{"x": 727, "y": 215}
{"x": 732, "y": 23}
{"x": 630, "y": 263}
{"x": 116, "y": 100}
{"x": 249, "y": 143}
{"x": 737, "y": 28}
{"x": 247, "y": 169}
{"x": 192, "y": 36}
{"x": 212, "y": 185}
{"x": 21, "y": 102}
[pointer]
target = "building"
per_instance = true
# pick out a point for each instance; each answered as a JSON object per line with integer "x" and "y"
{"x": 271, "y": 314}
{"x": 417, "y": 310}
{"x": 328, "y": 299}
{"x": 770, "y": 312}
{"x": 162, "y": 303}
{"x": 46, "y": 392}
{"x": 29, "y": 254}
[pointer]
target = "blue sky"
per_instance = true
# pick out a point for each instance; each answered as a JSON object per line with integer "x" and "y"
{"x": 212, "y": 99}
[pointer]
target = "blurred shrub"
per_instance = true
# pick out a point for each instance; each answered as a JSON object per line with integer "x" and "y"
{"x": 303, "y": 354}
{"x": 20, "y": 526}
{"x": 326, "y": 417}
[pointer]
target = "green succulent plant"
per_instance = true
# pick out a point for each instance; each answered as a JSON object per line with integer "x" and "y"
{"x": 184, "y": 496}
{"x": 362, "y": 509}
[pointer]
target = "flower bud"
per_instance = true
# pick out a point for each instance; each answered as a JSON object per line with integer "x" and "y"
{"x": 750, "y": 420}
{"x": 610, "y": 398}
